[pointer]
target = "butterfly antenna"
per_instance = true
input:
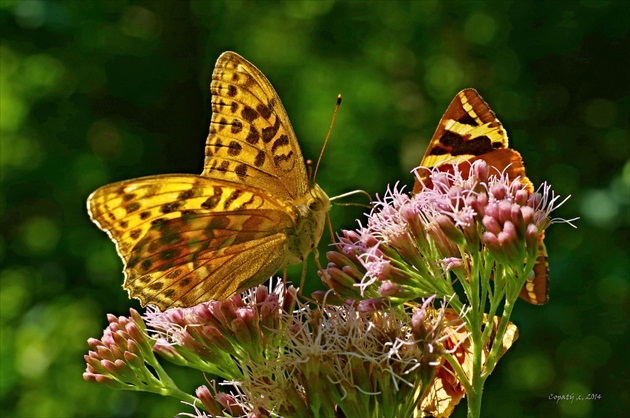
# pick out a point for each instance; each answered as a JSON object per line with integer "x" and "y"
{"x": 341, "y": 196}
{"x": 332, "y": 122}
{"x": 309, "y": 168}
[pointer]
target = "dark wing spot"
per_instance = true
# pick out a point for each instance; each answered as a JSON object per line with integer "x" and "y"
{"x": 249, "y": 114}
{"x": 234, "y": 148}
{"x": 234, "y": 107}
{"x": 158, "y": 221}
{"x": 213, "y": 200}
{"x": 185, "y": 195}
{"x": 169, "y": 254}
{"x": 232, "y": 90}
{"x": 468, "y": 120}
{"x": 264, "y": 111}
{"x": 128, "y": 196}
{"x": 222, "y": 123}
{"x": 233, "y": 196}
{"x": 217, "y": 145}
{"x": 249, "y": 82}
{"x": 280, "y": 142}
{"x": 237, "y": 126}
{"x": 174, "y": 274}
{"x": 170, "y": 207}
{"x": 278, "y": 159}
{"x": 457, "y": 145}
{"x": 146, "y": 264}
{"x": 260, "y": 159}
{"x": 241, "y": 171}
{"x": 135, "y": 234}
{"x": 270, "y": 132}
{"x": 185, "y": 282}
{"x": 144, "y": 215}
{"x": 253, "y": 136}
{"x": 223, "y": 167}
{"x": 132, "y": 207}
{"x": 123, "y": 224}
{"x": 170, "y": 236}
{"x": 157, "y": 285}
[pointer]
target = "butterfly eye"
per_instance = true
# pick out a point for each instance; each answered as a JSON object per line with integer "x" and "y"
{"x": 314, "y": 205}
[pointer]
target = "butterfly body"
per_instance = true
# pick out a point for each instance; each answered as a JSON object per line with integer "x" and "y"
{"x": 469, "y": 131}
{"x": 185, "y": 238}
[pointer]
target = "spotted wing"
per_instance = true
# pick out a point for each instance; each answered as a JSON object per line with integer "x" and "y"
{"x": 536, "y": 288}
{"x": 469, "y": 131}
{"x": 251, "y": 140}
{"x": 185, "y": 239}
{"x": 445, "y": 391}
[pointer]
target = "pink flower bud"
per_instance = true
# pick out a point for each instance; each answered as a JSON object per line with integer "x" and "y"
{"x": 480, "y": 171}
{"x": 499, "y": 191}
{"x": 491, "y": 224}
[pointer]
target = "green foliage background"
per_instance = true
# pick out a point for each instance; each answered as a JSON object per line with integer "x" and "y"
{"x": 98, "y": 91}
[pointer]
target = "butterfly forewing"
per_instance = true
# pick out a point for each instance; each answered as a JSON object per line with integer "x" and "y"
{"x": 251, "y": 140}
{"x": 468, "y": 131}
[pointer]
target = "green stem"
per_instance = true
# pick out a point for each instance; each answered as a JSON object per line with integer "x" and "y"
{"x": 168, "y": 387}
{"x": 477, "y": 379}
{"x": 474, "y": 399}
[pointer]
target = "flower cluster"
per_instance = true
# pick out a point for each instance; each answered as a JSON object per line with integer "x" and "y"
{"x": 122, "y": 357}
{"x": 463, "y": 223}
{"x": 377, "y": 343}
{"x": 289, "y": 362}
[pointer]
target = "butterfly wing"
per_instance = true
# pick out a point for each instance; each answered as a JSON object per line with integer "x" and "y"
{"x": 186, "y": 239}
{"x": 445, "y": 391}
{"x": 536, "y": 288}
{"x": 251, "y": 140}
{"x": 468, "y": 131}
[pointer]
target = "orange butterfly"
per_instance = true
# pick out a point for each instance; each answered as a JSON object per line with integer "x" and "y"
{"x": 469, "y": 131}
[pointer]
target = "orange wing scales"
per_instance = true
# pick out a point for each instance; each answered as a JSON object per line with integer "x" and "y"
{"x": 469, "y": 130}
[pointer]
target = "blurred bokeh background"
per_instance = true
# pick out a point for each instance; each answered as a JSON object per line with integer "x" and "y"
{"x": 98, "y": 91}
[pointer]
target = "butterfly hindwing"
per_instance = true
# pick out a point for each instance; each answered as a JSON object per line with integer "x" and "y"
{"x": 468, "y": 131}
{"x": 179, "y": 273}
{"x": 536, "y": 288}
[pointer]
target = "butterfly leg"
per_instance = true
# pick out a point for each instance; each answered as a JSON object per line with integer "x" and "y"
{"x": 330, "y": 230}
{"x": 302, "y": 278}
